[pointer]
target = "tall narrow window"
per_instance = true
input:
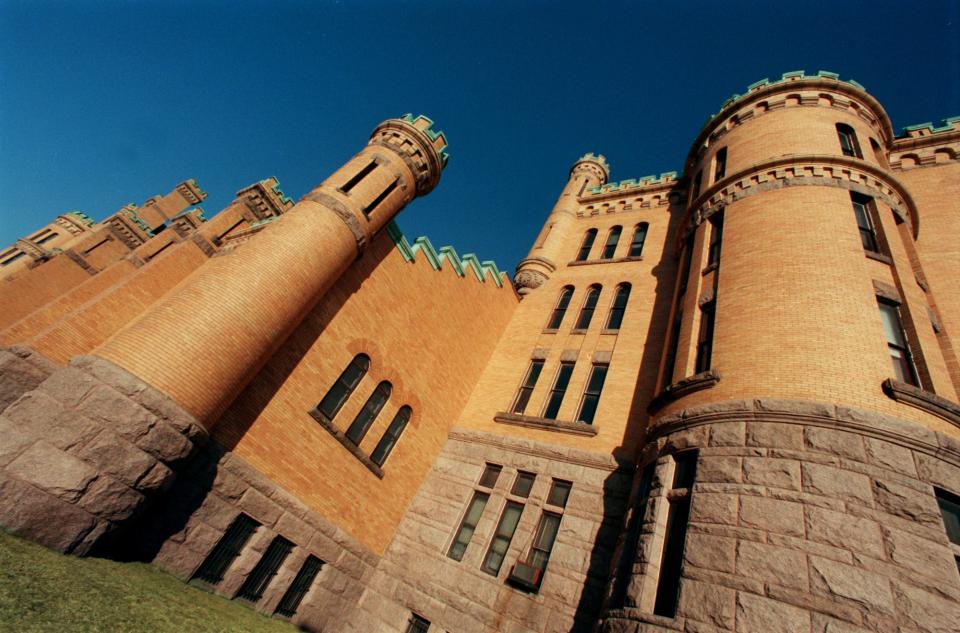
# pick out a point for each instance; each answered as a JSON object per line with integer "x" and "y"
{"x": 417, "y": 624}
{"x": 586, "y": 245}
{"x": 360, "y": 175}
{"x": 868, "y": 234}
{"x": 369, "y": 412}
{"x": 903, "y": 367}
{"x": 619, "y": 306}
{"x": 697, "y": 181}
{"x": 556, "y": 318}
{"x": 950, "y": 509}
{"x": 687, "y": 265}
{"x": 631, "y": 541}
{"x": 259, "y": 579}
{"x": 299, "y": 587}
{"x": 555, "y": 399}
{"x": 668, "y": 584}
{"x": 529, "y": 382}
{"x": 716, "y": 238}
{"x": 226, "y": 550}
{"x": 367, "y": 210}
{"x": 705, "y": 338}
{"x": 589, "y": 306}
{"x": 390, "y": 437}
{"x": 502, "y": 537}
{"x": 720, "y": 169}
{"x": 529, "y": 572}
{"x": 639, "y": 237}
{"x": 468, "y": 525}
{"x": 670, "y": 362}
{"x": 346, "y": 383}
{"x": 848, "y": 141}
{"x": 591, "y": 395}
{"x": 613, "y": 237}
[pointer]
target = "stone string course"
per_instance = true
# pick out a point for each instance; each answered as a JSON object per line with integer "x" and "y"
{"x": 799, "y": 526}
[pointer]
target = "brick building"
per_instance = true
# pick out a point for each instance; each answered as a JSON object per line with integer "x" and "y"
{"x": 721, "y": 401}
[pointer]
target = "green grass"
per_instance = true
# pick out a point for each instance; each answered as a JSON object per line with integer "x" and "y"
{"x": 41, "y": 590}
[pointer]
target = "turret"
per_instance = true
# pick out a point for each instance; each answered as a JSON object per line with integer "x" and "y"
{"x": 589, "y": 171}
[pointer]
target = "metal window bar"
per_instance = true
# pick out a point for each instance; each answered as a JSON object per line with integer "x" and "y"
{"x": 259, "y": 579}
{"x": 417, "y": 624}
{"x": 299, "y": 587}
{"x": 229, "y": 546}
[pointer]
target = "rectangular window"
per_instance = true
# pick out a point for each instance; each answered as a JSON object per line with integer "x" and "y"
{"x": 367, "y": 210}
{"x": 417, "y": 624}
{"x": 671, "y": 360}
{"x": 468, "y": 525}
{"x": 721, "y": 165}
{"x": 491, "y": 472}
{"x": 226, "y": 550}
{"x": 705, "y": 338}
{"x": 631, "y": 542}
{"x": 868, "y": 233}
{"x": 523, "y": 397}
{"x": 687, "y": 265}
{"x": 950, "y": 509}
{"x": 501, "y": 539}
{"x": 559, "y": 493}
{"x": 716, "y": 238}
{"x": 903, "y": 367}
{"x": 363, "y": 173}
{"x": 299, "y": 587}
{"x": 259, "y": 579}
{"x": 555, "y": 399}
{"x": 543, "y": 541}
{"x": 849, "y": 145}
{"x": 678, "y": 513}
{"x": 523, "y": 484}
{"x": 591, "y": 396}
{"x": 17, "y": 255}
{"x": 46, "y": 238}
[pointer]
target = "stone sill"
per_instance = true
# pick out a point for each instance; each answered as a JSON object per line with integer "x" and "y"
{"x": 533, "y": 422}
{"x": 618, "y": 260}
{"x": 923, "y": 400}
{"x": 696, "y": 382}
{"x": 879, "y": 257}
{"x": 343, "y": 439}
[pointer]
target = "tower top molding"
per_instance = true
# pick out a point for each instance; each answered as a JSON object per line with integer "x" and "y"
{"x": 421, "y": 146}
{"x": 593, "y": 162}
{"x": 791, "y": 81}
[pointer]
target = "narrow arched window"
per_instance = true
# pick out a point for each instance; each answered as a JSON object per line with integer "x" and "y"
{"x": 639, "y": 237}
{"x": 848, "y": 141}
{"x": 589, "y": 306}
{"x": 558, "y": 312}
{"x": 389, "y": 439}
{"x": 586, "y": 245}
{"x": 369, "y": 412}
{"x": 346, "y": 383}
{"x": 612, "y": 238}
{"x": 619, "y": 306}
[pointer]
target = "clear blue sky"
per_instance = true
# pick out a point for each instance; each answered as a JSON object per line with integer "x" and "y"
{"x": 105, "y": 103}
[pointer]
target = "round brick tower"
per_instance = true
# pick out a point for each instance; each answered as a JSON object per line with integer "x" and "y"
{"x": 203, "y": 342}
{"x": 806, "y": 424}
{"x": 589, "y": 171}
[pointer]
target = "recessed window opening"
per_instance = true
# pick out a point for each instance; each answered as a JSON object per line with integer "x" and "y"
{"x": 17, "y": 255}
{"x": 468, "y": 525}
{"x": 716, "y": 238}
{"x": 417, "y": 624}
{"x": 697, "y": 181}
{"x": 720, "y": 166}
{"x": 555, "y": 399}
{"x": 559, "y": 493}
{"x": 556, "y": 318}
{"x": 367, "y": 210}
{"x": 619, "y": 307}
{"x": 491, "y": 473}
{"x": 589, "y": 306}
{"x": 259, "y": 579}
{"x": 226, "y": 550}
{"x": 506, "y": 527}
{"x": 678, "y": 514}
{"x": 949, "y": 504}
{"x": 624, "y": 574}
{"x": 47, "y": 238}
{"x": 391, "y": 436}
{"x": 903, "y": 367}
{"x": 868, "y": 233}
{"x": 344, "y": 386}
{"x": 523, "y": 484}
{"x": 613, "y": 237}
{"x": 705, "y": 338}
{"x": 365, "y": 418}
{"x": 591, "y": 395}
{"x": 586, "y": 245}
{"x": 526, "y": 389}
{"x": 299, "y": 587}
{"x": 639, "y": 237}
{"x": 360, "y": 175}
{"x": 848, "y": 141}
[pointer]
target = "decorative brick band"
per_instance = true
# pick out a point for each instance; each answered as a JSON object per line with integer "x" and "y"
{"x": 696, "y": 382}
{"x": 80, "y": 261}
{"x": 924, "y": 400}
{"x": 344, "y": 214}
{"x": 534, "y": 422}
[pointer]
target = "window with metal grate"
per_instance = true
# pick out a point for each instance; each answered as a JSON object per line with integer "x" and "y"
{"x": 299, "y": 587}
{"x": 258, "y": 580}
{"x": 226, "y": 550}
{"x": 416, "y": 624}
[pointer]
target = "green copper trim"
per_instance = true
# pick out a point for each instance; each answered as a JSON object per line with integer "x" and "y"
{"x": 83, "y": 217}
{"x": 948, "y": 126}
{"x": 284, "y": 198}
{"x": 634, "y": 183}
{"x": 436, "y": 258}
{"x": 430, "y": 132}
{"x": 132, "y": 214}
{"x": 826, "y": 74}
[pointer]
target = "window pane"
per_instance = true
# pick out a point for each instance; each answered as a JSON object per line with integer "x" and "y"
{"x": 490, "y": 475}
{"x": 559, "y": 389}
{"x": 547, "y": 532}
{"x": 390, "y": 437}
{"x": 619, "y": 307}
{"x": 891, "y": 324}
{"x": 950, "y": 509}
{"x": 557, "y": 317}
{"x": 523, "y": 484}
{"x": 589, "y": 305}
{"x": 639, "y": 237}
{"x": 612, "y": 239}
{"x": 511, "y": 516}
{"x": 361, "y": 424}
{"x": 685, "y": 469}
{"x": 344, "y": 386}
{"x": 559, "y": 492}
{"x": 586, "y": 245}
{"x": 476, "y": 509}
{"x": 468, "y": 525}
{"x": 504, "y": 534}
{"x": 523, "y": 397}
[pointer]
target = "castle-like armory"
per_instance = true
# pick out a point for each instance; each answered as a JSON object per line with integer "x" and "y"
{"x": 725, "y": 401}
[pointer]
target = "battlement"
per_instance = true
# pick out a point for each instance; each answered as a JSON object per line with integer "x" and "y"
{"x": 436, "y": 257}
{"x": 82, "y": 217}
{"x": 425, "y": 125}
{"x": 951, "y": 124}
{"x": 633, "y": 183}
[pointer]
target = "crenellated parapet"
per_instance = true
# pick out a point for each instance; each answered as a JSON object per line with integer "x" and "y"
{"x": 644, "y": 182}
{"x": 592, "y": 164}
{"x": 436, "y": 257}
{"x": 418, "y": 144}
{"x": 924, "y": 145}
{"x": 265, "y": 199}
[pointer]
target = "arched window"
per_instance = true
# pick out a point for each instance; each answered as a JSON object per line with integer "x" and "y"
{"x": 639, "y": 237}
{"x": 346, "y": 383}
{"x": 389, "y": 439}
{"x": 557, "y": 317}
{"x": 589, "y": 305}
{"x": 720, "y": 165}
{"x": 369, "y": 412}
{"x": 612, "y": 238}
{"x": 586, "y": 245}
{"x": 619, "y": 307}
{"x": 848, "y": 141}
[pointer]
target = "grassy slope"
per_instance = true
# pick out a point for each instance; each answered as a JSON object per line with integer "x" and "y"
{"x": 41, "y": 590}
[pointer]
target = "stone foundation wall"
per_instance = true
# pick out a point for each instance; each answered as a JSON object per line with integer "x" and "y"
{"x": 415, "y": 574}
{"x": 85, "y": 448}
{"x": 805, "y": 517}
